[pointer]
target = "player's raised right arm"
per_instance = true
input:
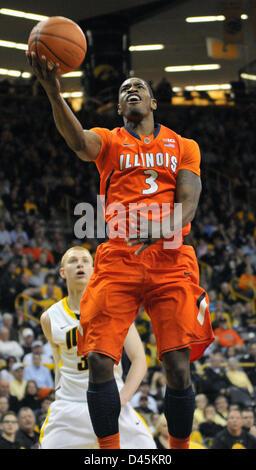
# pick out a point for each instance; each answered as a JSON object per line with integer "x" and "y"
{"x": 84, "y": 143}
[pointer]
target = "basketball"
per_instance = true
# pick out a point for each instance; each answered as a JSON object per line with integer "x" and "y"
{"x": 61, "y": 41}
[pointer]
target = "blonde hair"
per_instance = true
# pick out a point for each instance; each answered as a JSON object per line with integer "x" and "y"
{"x": 80, "y": 248}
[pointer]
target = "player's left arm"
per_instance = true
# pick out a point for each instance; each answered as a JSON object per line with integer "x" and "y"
{"x": 138, "y": 369}
{"x": 188, "y": 192}
{"x": 46, "y": 327}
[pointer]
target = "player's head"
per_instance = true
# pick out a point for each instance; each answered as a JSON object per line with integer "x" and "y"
{"x": 76, "y": 266}
{"x": 136, "y": 99}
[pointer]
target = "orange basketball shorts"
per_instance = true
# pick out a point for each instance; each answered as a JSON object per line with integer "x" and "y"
{"x": 164, "y": 281}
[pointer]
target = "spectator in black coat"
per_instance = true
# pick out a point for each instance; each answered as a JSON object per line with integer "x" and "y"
{"x": 209, "y": 428}
{"x": 26, "y": 434}
{"x": 214, "y": 380}
{"x": 233, "y": 436}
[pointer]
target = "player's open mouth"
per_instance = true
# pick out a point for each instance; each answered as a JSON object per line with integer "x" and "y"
{"x": 133, "y": 99}
{"x": 80, "y": 273}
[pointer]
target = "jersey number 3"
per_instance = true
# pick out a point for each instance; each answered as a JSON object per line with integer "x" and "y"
{"x": 151, "y": 181}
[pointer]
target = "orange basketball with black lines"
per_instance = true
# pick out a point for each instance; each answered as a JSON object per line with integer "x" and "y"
{"x": 61, "y": 41}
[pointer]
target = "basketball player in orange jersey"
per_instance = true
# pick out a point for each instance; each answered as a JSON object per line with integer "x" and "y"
{"x": 138, "y": 163}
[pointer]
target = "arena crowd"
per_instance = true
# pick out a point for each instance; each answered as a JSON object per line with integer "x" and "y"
{"x": 41, "y": 181}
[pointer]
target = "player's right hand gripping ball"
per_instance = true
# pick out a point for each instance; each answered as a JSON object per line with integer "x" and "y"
{"x": 61, "y": 41}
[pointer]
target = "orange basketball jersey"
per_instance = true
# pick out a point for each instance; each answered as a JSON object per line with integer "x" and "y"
{"x": 143, "y": 169}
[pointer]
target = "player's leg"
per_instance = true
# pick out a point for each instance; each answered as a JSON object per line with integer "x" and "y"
{"x": 178, "y": 308}
{"x": 67, "y": 426}
{"x": 108, "y": 308}
{"x": 134, "y": 432}
{"x": 103, "y": 400}
{"x": 179, "y": 397}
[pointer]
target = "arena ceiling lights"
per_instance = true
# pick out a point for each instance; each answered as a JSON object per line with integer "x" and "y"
{"x": 146, "y": 47}
{"x": 72, "y": 94}
{"x": 13, "y": 45}
{"x": 248, "y": 76}
{"x": 14, "y": 73}
{"x": 22, "y": 14}
{"x": 191, "y": 68}
{"x": 220, "y": 86}
{"x": 207, "y": 19}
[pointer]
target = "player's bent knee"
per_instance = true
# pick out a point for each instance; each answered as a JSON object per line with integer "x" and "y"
{"x": 177, "y": 369}
{"x": 100, "y": 367}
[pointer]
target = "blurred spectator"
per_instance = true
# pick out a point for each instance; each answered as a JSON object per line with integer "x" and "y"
{"x": 4, "y": 406}
{"x": 7, "y": 322}
{"x": 12, "y": 201}
{"x": 250, "y": 357}
{"x": 144, "y": 389}
{"x": 233, "y": 436}
{"x": 225, "y": 295}
{"x": 36, "y": 371}
{"x": 58, "y": 251}
{"x": 151, "y": 352}
{"x": 144, "y": 408}
{"x": 27, "y": 341}
{"x": 249, "y": 421}
{"x": 5, "y": 392}
{"x": 44, "y": 263}
{"x": 9, "y": 287}
{"x": 45, "y": 403}
{"x": 9, "y": 347}
{"x": 222, "y": 407}
{"x": 202, "y": 248}
{"x": 8, "y": 438}
{"x": 247, "y": 281}
{"x": 18, "y": 384}
{"x": 230, "y": 352}
{"x": 19, "y": 232}
{"x": 196, "y": 435}
{"x": 208, "y": 428}
{"x": 6, "y": 372}
{"x": 24, "y": 266}
{"x": 243, "y": 391}
{"x": 228, "y": 336}
{"x": 49, "y": 292}
{"x": 217, "y": 317}
{"x": 213, "y": 380}
{"x": 247, "y": 319}
{"x": 37, "y": 348}
{"x": 212, "y": 299}
{"x": 30, "y": 398}
{"x": 5, "y": 237}
{"x": 201, "y": 402}
{"x": 6, "y": 253}
{"x": 38, "y": 275}
{"x": 20, "y": 322}
{"x": 26, "y": 434}
{"x": 158, "y": 388}
{"x": 161, "y": 436}
{"x": 39, "y": 248}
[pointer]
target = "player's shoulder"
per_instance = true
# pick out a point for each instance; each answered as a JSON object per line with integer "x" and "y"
{"x": 178, "y": 136}
{"x": 55, "y": 307}
{"x": 172, "y": 137}
{"x": 167, "y": 130}
{"x": 108, "y": 132}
